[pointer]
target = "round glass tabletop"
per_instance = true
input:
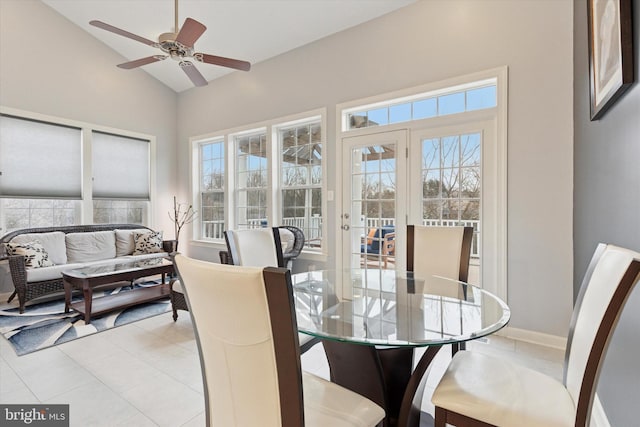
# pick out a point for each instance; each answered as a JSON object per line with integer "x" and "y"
{"x": 394, "y": 308}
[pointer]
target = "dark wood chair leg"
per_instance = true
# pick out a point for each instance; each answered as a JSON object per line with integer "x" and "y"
{"x": 440, "y": 418}
{"x": 12, "y": 296}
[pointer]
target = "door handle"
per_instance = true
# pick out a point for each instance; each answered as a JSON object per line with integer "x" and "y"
{"x": 345, "y": 227}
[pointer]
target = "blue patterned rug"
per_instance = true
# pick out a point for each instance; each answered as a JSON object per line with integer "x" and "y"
{"x": 46, "y": 324}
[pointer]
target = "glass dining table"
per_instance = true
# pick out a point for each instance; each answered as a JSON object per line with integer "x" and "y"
{"x": 370, "y": 321}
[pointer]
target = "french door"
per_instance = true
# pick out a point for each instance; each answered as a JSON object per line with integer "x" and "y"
{"x": 374, "y": 194}
{"x": 435, "y": 176}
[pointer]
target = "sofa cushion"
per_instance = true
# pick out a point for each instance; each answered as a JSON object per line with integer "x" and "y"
{"x": 125, "y": 243}
{"x": 35, "y": 256}
{"x": 49, "y": 273}
{"x": 90, "y": 246}
{"x": 147, "y": 243}
{"x": 52, "y": 242}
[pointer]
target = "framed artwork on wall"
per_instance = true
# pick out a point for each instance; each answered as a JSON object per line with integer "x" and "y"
{"x": 610, "y": 52}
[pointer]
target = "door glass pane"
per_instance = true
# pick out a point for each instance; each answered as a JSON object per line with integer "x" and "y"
{"x": 451, "y": 183}
{"x": 373, "y": 207}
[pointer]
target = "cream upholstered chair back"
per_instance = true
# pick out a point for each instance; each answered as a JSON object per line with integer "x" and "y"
{"x": 235, "y": 331}
{"x": 258, "y": 247}
{"x": 261, "y": 247}
{"x": 611, "y": 275}
{"x": 439, "y": 251}
{"x": 245, "y": 327}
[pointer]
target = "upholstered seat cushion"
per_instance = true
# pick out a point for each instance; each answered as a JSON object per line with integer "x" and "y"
{"x": 49, "y": 273}
{"x": 328, "y": 404}
{"x": 502, "y": 393}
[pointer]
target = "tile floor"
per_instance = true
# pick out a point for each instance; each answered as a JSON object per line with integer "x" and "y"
{"x": 148, "y": 374}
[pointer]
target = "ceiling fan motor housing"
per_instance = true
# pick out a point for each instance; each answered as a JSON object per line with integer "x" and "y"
{"x": 176, "y": 50}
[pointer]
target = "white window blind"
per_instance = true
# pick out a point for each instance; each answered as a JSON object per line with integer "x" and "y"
{"x": 120, "y": 167}
{"x": 39, "y": 160}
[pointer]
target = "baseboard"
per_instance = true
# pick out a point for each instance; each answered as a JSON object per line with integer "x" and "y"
{"x": 598, "y": 416}
{"x": 533, "y": 337}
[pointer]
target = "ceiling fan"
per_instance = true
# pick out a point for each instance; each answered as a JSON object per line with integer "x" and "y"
{"x": 178, "y": 46}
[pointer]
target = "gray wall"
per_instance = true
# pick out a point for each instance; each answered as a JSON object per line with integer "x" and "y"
{"x": 422, "y": 43}
{"x": 607, "y": 209}
{"x": 50, "y": 66}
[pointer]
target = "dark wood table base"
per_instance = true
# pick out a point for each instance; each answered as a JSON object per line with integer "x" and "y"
{"x": 385, "y": 375}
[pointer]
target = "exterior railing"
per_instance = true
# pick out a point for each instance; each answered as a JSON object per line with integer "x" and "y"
{"x": 312, "y": 228}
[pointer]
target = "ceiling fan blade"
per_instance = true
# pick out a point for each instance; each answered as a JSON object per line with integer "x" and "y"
{"x": 190, "y": 32}
{"x": 192, "y": 72}
{"x": 222, "y": 61}
{"x": 120, "y": 32}
{"x": 142, "y": 61}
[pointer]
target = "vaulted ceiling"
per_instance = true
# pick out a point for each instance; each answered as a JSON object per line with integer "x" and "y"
{"x": 250, "y": 30}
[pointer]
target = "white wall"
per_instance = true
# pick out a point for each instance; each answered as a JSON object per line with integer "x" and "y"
{"x": 427, "y": 42}
{"x": 50, "y": 66}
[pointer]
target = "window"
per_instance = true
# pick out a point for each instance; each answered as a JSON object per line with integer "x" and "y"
{"x": 120, "y": 172}
{"x": 301, "y": 179}
{"x": 212, "y": 189}
{"x": 45, "y": 177}
{"x": 472, "y": 96}
{"x": 264, "y": 175}
{"x": 39, "y": 160}
{"x": 251, "y": 180}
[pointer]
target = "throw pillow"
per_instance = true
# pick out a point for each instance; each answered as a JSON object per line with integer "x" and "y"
{"x": 148, "y": 243}
{"x": 35, "y": 254}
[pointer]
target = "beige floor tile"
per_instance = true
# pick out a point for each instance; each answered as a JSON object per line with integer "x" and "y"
{"x": 197, "y": 421}
{"x": 48, "y": 373}
{"x": 94, "y": 404}
{"x": 166, "y": 401}
{"x": 120, "y": 371}
{"x": 148, "y": 373}
{"x": 12, "y": 388}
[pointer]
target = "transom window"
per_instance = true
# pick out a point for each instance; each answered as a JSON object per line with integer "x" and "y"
{"x": 469, "y": 97}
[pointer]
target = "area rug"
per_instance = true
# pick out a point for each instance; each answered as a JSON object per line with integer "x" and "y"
{"x": 46, "y": 324}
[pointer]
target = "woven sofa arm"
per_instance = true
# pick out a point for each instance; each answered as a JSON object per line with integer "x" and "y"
{"x": 18, "y": 272}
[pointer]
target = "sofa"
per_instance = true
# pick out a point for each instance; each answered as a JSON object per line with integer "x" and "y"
{"x": 38, "y": 256}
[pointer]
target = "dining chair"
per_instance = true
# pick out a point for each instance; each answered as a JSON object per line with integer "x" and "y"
{"x": 261, "y": 247}
{"x": 440, "y": 251}
{"x": 482, "y": 390}
{"x": 245, "y": 326}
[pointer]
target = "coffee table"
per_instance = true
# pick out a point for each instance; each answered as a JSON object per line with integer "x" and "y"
{"x": 87, "y": 278}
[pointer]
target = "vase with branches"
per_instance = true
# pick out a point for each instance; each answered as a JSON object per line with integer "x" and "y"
{"x": 182, "y": 214}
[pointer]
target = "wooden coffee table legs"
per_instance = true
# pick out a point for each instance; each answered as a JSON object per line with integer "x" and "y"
{"x": 87, "y": 294}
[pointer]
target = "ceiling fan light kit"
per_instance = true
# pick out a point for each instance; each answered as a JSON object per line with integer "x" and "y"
{"x": 178, "y": 46}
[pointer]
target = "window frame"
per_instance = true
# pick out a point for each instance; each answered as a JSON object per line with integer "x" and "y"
{"x": 274, "y": 185}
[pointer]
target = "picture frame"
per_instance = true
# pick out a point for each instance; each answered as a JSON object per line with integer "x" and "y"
{"x": 611, "y": 67}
